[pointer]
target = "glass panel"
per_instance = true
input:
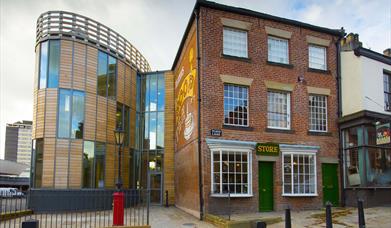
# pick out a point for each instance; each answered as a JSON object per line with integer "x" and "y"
{"x": 152, "y": 130}
{"x": 54, "y": 63}
{"x": 161, "y": 93}
{"x": 235, "y": 42}
{"x": 318, "y": 113}
{"x": 277, "y": 109}
{"x": 64, "y": 113}
{"x": 77, "y": 115}
{"x": 38, "y": 166}
{"x": 153, "y": 92}
{"x": 112, "y": 78}
{"x": 102, "y": 73}
{"x": 378, "y": 167}
{"x": 100, "y": 152}
{"x": 88, "y": 164}
{"x": 160, "y": 130}
{"x": 43, "y": 65}
{"x": 235, "y": 105}
{"x": 317, "y": 57}
{"x": 278, "y": 50}
{"x": 119, "y": 116}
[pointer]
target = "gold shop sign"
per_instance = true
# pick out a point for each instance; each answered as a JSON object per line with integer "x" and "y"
{"x": 268, "y": 149}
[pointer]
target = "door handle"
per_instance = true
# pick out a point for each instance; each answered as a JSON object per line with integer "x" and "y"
{"x": 264, "y": 190}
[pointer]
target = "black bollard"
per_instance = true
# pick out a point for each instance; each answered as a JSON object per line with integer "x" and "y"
{"x": 329, "y": 219}
{"x": 30, "y": 224}
{"x": 288, "y": 222}
{"x": 361, "y": 218}
{"x": 261, "y": 224}
{"x": 166, "y": 198}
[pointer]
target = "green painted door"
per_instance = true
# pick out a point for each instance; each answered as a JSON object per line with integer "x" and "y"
{"x": 330, "y": 183}
{"x": 265, "y": 186}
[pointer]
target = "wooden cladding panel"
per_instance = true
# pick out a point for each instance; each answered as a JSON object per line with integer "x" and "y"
{"x": 40, "y": 115}
{"x": 92, "y": 64}
{"x": 90, "y": 117}
{"x": 101, "y": 119}
{"x": 62, "y": 155}
{"x": 75, "y": 164}
{"x": 66, "y": 64}
{"x": 128, "y": 75}
{"x": 111, "y": 119}
{"x": 110, "y": 166}
{"x": 79, "y": 66}
{"x": 120, "y": 82}
{"x": 133, "y": 96}
{"x": 37, "y": 60}
{"x": 33, "y": 135}
{"x": 51, "y": 113}
{"x": 169, "y": 131}
{"x": 48, "y": 162}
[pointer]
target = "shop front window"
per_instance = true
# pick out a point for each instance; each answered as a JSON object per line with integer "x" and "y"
{"x": 299, "y": 174}
{"x": 231, "y": 173}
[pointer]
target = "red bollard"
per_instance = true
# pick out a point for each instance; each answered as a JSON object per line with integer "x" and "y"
{"x": 118, "y": 209}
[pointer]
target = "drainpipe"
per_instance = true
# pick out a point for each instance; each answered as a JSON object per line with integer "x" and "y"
{"x": 200, "y": 186}
{"x": 339, "y": 89}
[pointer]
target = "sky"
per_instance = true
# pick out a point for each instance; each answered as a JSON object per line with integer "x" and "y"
{"x": 155, "y": 28}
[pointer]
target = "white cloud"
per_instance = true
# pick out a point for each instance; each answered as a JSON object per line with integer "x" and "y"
{"x": 156, "y": 27}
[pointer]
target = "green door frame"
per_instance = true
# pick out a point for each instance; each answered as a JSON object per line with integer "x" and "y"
{"x": 265, "y": 185}
{"x": 330, "y": 183}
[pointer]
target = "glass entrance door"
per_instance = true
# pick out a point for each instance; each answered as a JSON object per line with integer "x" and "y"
{"x": 155, "y": 183}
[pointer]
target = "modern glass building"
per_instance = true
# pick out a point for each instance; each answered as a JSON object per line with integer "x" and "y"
{"x": 89, "y": 81}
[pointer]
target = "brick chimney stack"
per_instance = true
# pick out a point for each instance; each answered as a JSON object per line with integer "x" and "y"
{"x": 350, "y": 42}
{"x": 387, "y": 52}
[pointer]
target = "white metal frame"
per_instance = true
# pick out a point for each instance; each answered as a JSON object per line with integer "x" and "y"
{"x": 292, "y": 184}
{"x": 236, "y": 30}
{"x": 288, "y": 107}
{"x": 248, "y": 106}
{"x": 249, "y": 172}
{"x": 287, "y": 48}
{"x": 326, "y": 106}
{"x": 324, "y": 56}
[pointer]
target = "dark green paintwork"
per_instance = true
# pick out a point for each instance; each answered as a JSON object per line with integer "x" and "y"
{"x": 265, "y": 187}
{"x": 330, "y": 183}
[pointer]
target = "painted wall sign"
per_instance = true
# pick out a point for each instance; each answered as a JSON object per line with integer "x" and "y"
{"x": 383, "y": 134}
{"x": 186, "y": 88}
{"x": 268, "y": 149}
{"x": 216, "y": 132}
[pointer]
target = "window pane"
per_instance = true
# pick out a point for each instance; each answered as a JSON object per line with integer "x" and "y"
{"x": 152, "y": 130}
{"x": 38, "y": 166}
{"x": 235, "y": 42}
{"x": 378, "y": 167}
{"x": 126, "y": 126}
{"x": 161, "y": 92}
{"x": 100, "y": 151}
{"x": 119, "y": 116}
{"x": 160, "y": 130}
{"x": 112, "y": 78}
{"x": 54, "y": 63}
{"x": 102, "y": 73}
{"x": 64, "y": 113}
{"x": 235, "y": 105}
{"x": 153, "y": 92}
{"x": 88, "y": 164}
{"x": 77, "y": 115}
{"x": 318, "y": 113}
{"x": 43, "y": 65}
{"x": 299, "y": 173}
{"x": 278, "y": 50}
{"x": 277, "y": 110}
{"x": 317, "y": 57}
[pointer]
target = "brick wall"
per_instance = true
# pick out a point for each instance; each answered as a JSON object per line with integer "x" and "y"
{"x": 257, "y": 68}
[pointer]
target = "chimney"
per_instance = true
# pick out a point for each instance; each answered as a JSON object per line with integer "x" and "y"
{"x": 387, "y": 52}
{"x": 350, "y": 42}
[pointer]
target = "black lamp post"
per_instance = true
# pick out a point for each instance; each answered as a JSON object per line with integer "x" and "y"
{"x": 119, "y": 140}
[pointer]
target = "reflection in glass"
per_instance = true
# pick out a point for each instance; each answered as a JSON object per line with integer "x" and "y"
{"x": 111, "y": 85}
{"x": 153, "y": 93}
{"x": 54, "y": 63}
{"x": 77, "y": 115}
{"x": 161, "y": 92}
{"x": 38, "y": 166}
{"x": 88, "y": 164}
{"x": 43, "y": 65}
{"x": 100, "y": 151}
{"x": 64, "y": 113}
{"x": 160, "y": 130}
{"x": 152, "y": 130}
{"x": 102, "y": 73}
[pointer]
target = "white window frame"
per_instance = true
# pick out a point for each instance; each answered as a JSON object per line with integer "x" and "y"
{"x": 249, "y": 172}
{"x": 288, "y": 106}
{"x": 248, "y": 106}
{"x": 225, "y": 28}
{"x": 324, "y": 56}
{"x": 309, "y": 117}
{"x": 292, "y": 183}
{"x": 269, "y": 51}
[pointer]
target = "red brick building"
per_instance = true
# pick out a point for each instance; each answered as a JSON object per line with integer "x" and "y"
{"x": 256, "y": 99}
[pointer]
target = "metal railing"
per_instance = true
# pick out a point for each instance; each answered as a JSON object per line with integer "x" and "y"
{"x": 73, "y": 208}
{"x": 60, "y": 23}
